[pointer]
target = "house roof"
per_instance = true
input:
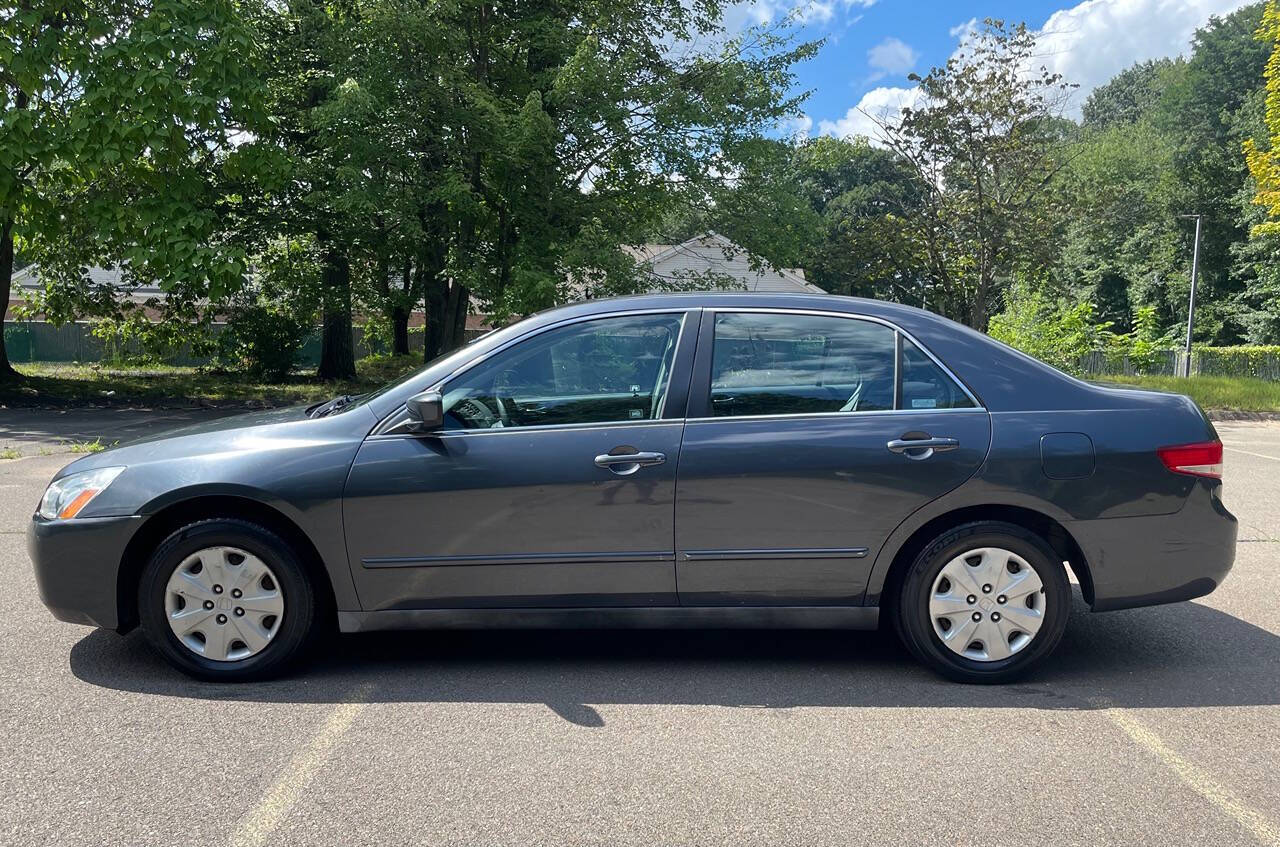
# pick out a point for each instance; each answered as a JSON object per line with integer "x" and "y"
{"x": 712, "y": 252}
{"x": 29, "y": 278}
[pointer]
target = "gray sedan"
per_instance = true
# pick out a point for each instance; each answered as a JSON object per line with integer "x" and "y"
{"x": 697, "y": 460}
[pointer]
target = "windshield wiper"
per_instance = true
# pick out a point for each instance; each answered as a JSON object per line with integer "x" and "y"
{"x": 330, "y": 406}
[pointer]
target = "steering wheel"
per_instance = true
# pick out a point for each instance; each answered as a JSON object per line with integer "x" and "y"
{"x": 506, "y": 405}
{"x": 504, "y": 417}
{"x": 474, "y": 414}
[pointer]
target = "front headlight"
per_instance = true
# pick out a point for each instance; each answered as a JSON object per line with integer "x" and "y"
{"x": 66, "y": 497}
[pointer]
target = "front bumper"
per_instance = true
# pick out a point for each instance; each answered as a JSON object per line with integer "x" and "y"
{"x": 77, "y": 565}
{"x": 1146, "y": 561}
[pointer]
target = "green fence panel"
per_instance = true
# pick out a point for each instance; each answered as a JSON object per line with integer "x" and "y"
{"x": 38, "y": 341}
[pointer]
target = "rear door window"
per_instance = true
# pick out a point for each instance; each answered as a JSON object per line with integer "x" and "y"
{"x": 778, "y": 364}
{"x": 771, "y": 363}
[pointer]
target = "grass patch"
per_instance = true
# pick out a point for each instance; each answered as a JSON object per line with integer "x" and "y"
{"x": 94, "y": 446}
{"x": 10, "y": 453}
{"x": 79, "y": 385}
{"x": 1234, "y": 393}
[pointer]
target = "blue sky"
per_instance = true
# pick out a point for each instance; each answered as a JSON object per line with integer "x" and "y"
{"x": 873, "y": 44}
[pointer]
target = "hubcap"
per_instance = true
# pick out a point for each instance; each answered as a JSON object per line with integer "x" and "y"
{"x": 224, "y": 604}
{"x": 987, "y": 604}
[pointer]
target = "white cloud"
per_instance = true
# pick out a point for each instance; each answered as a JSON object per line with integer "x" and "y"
{"x": 962, "y": 30}
{"x": 747, "y": 13}
{"x": 1088, "y": 44}
{"x": 739, "y": 16}
{"x": 891, "y": 57}
{"x": 815, "y": 11}
{"x": 879, "y": 104}
{"x": 1091, "y": 42}
{"x": 799, "y": 125}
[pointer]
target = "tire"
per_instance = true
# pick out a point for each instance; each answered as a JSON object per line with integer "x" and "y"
{"x": 954, "y": 643}
{"x": 245, "y": 642}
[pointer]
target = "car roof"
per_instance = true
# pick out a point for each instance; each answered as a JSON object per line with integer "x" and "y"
{"x": 735, "y": 299}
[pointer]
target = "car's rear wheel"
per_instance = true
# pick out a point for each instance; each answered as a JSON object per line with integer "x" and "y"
{"x": 984, "y": 602}
{"x": 225, "y": 599}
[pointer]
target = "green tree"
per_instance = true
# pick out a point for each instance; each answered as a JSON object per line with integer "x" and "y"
{"x": 1123, "y": 247}
{"x": 1129, "y": 95}
{"x": 1052, "y": 330}
{"x": 866, "y": 198}
{"x": 1204, "y": 113}
{"x": 113, "y": 115}
{"x": 984, "y": 142}
{"x": 1264, "y": 159}
{"x": 594, "y": 125}
{"x": 465, "y": 152}
{"x": 836, "y": 207}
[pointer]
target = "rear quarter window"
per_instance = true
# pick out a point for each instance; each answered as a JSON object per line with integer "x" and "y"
{"x": 927, "y": 386}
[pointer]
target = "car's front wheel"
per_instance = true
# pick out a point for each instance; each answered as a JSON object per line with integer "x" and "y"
{"x": 984, "y": 602}
{"x": 228, "y": 600}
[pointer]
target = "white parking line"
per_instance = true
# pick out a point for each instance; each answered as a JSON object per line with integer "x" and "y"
{"x": 1251, "y": 453}
{"x": 257, "y": 825}
{"x": 1226, "y": 801}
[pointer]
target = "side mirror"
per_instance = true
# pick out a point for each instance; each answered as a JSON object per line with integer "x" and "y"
{"x": 426, "y": 411}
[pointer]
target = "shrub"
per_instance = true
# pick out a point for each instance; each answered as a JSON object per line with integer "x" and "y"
{"x": 262, "y": 338}
{"x": 271, "y": 317}
{"x": 1146, "y": 347}
{"x": 1056, "y": 333}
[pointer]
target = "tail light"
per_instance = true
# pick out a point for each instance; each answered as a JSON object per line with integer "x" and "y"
{"x": 1200, "y": 459}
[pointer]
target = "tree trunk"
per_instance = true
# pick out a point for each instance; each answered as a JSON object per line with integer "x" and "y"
{"x": 400, "y": 313}
{"x": 978, "y": 317}
{"x": 455, "y": 329}
{"x": 337, "y": 348}
{"x": 399, "y": 330}
{"x": 436, "y": 298}
{"x": 7, "y": 373}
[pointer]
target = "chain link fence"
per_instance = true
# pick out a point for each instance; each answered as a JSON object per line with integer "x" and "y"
{"x": 1257, "y": 362}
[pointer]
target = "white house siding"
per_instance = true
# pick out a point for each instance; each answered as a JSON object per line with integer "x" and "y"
{"x": 698, "y": 256}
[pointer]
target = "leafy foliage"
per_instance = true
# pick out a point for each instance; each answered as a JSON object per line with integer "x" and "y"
{"x": 281, "y": 163}
{"x": 1054, "y": 332}
{"x": 269, "y": 319}
{"x": 118, "y": 118}
{"x": 473, "y": 155}
{"x": 984, "y": 144}
{"x": 1063, "y": 333}
{"x": 1128, "y": 96}
{"x": 1264, "y": 164}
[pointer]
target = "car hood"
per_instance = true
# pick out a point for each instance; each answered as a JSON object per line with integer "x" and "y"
{"x": 247, "y": 433}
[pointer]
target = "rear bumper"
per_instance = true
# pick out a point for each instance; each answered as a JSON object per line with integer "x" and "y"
{"x": 1146, "y": 561}
{"x": 77, "y": 566}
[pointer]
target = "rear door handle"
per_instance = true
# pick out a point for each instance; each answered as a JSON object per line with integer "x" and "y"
{"x": 927, "y": 446}
{"x": 625, "y": 464}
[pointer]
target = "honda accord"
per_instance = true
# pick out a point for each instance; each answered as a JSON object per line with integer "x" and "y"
{"x": 686, "y": 460}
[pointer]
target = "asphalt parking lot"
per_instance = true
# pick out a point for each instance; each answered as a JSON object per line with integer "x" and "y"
{"x": 1151, "y": 726}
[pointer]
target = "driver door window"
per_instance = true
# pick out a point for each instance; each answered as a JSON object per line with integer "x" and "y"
{"x": 601, "y": 371}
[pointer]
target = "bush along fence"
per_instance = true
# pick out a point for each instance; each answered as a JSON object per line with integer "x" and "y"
{"x": 1259, "y": 362}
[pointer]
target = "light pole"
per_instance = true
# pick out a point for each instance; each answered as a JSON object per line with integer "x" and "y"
{"x": 1191, "y": 305}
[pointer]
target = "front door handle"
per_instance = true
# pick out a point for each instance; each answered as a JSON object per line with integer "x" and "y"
{"x": 625, "y": 464}
{"x": 922, "y": 448}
